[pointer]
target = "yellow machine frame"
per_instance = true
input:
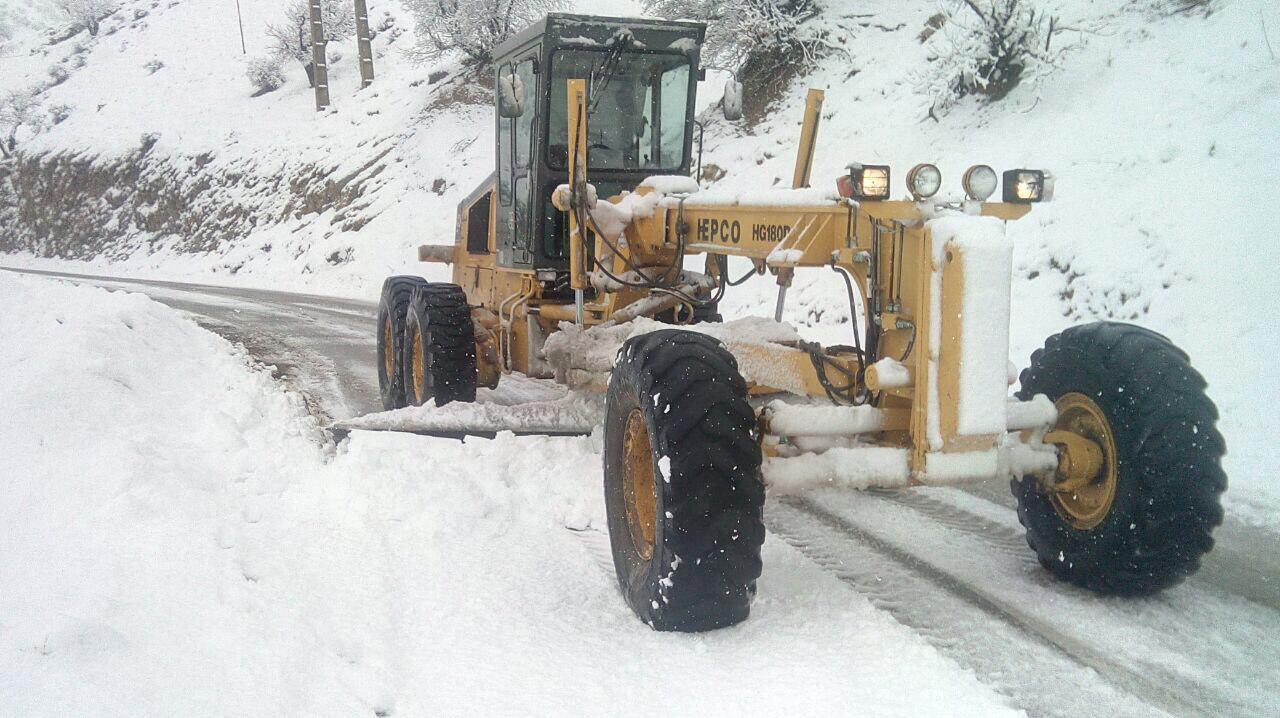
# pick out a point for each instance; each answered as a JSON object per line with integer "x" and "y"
{"x": 513, "y": 317}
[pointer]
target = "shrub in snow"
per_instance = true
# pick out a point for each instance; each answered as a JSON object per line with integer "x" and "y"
{"x": 292, "y": 37}
{"x": 766, "y": 43}
{"x": 58, "y": 74}
{"x": 739, "y": 30}
{"x": 59, "y": 112}
{"x": 1179, "y": 7}
{"x": 471, "y": 27}
{"x": 18, "y": 108}
{"x": 986, "y": 48}
{"x": 87, "y": 14}
{"x": 265, "y": 74}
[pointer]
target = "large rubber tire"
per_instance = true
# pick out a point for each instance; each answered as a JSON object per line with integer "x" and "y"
{"x": 708, "y": 523}
{"x": 441, "y": 315}
{"x": 1169, "y": 478}
{"x": 393, "y": 309}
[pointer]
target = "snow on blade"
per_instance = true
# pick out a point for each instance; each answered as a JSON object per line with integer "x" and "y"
{"x": 572, "y": 413}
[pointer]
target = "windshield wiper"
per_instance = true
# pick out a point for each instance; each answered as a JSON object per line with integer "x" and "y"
{"x": 608, "y": 68}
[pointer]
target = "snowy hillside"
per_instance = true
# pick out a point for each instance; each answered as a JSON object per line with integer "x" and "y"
{"x": 20, "y": 17}
{"x": 1159, "y": 125}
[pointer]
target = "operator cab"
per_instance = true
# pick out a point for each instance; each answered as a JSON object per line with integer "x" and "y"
{"x": 642, "y": 76}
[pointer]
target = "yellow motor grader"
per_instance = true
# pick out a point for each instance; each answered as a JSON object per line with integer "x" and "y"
{"x": 570, "y": 264}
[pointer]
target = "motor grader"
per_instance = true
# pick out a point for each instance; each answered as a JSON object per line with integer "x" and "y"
{"x": 570, "y": 264}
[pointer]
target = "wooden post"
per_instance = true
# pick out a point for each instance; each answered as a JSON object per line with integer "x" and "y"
{"x": 364, "y": 45}
{"x": 808, "y": 138}
{"x": 318, "y": 60}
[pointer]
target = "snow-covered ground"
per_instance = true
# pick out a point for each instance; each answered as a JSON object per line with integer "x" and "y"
{"x": 180, "y": 540}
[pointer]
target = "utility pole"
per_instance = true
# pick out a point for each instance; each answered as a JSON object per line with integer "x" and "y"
{"x": 318, "y": 60}
{"x": 240, "y": 20}
{"x": 364, "y": 46}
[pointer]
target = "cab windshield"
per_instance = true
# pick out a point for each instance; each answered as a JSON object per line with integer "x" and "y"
{"x": 639, "y": 113}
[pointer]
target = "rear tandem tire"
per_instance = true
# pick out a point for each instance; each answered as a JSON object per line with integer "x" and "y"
{"x": 446, "y": 354}
{"x": 393, "y": 308}
{"x": 683, "y": 489}
{"x": 1168, "y": 479}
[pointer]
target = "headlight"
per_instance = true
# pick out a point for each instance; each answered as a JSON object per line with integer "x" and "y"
{"x": 979, "y": 182}
{"x": 924, "y": 181}
{"x": 865, "y": 182}
{"x": 1025, "y": 186}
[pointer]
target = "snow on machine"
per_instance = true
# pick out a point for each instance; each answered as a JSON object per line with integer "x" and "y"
{"x": 568, "y": 311}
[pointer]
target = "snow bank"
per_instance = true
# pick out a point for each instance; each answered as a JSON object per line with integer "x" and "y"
{"x": 178, "y": 541}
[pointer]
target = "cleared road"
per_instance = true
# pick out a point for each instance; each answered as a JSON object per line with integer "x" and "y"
{"x": 950, "y": 564}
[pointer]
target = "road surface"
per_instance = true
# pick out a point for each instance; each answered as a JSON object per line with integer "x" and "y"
{"x": 950, "y": 564}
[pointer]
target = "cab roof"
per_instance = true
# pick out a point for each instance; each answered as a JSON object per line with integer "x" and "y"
{"x": 570, "y": 30}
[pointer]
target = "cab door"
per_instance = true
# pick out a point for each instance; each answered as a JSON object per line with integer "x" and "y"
{"x": 516, "y": 138}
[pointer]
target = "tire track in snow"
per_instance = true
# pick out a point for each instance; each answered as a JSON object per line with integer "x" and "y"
{"x": 1220, "y": 671}
{"x": 1046, "y": 675}
{"x": 1001, "y": 537}
{"x": 596, "y": 544}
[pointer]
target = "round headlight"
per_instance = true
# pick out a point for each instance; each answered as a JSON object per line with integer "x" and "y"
{"x": 979, "y": 182}
{"x": 924, "y": 181}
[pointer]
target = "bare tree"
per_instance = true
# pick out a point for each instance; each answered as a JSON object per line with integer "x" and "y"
{"x": 471, "y": 27}
{"x": 17, "y": 108}
{"x": 292, "y": 37}
{"x": 87, "y": 13}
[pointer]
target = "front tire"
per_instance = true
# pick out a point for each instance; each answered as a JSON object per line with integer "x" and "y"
{"x": 1146, "y": 530}
{"x": 683, "y": 489}
{"x": 393, "y": 310}
{"x": 439, "y": 347}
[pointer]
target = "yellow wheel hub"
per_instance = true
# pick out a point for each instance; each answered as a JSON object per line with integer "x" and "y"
{"x": 1084, "y": 486}
{"x": 388, "y": 348}
{"x": 639, "y": 491}
{"x": 419, "y": 369}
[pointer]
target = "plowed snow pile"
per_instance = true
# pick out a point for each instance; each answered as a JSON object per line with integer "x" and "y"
{"x": 178, "y": 540}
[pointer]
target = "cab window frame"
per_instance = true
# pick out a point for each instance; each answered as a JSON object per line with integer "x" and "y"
{"x": 685, "y": 150}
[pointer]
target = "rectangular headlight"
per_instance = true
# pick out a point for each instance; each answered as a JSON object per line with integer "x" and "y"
{"x": 1026, "y": 186}
{"x": 865, "y": 182}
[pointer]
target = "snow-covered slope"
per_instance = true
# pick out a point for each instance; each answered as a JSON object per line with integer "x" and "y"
{"x": 21, "y": 17}
{"x": 1159, "y": 126}
{"x": 178, "y": 541}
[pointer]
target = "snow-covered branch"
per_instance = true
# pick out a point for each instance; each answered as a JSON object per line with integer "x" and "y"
{"x": 87, "y": 14}
{"x": 739, "y": 31}
{"x": 291, "y": 38}
{"x": 987, "y": 47}
{"x": 471, "y": 27}
{"x": 18, "y": 108}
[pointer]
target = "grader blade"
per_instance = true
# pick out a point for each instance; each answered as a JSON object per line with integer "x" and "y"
{"x": 522, "y": 406}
